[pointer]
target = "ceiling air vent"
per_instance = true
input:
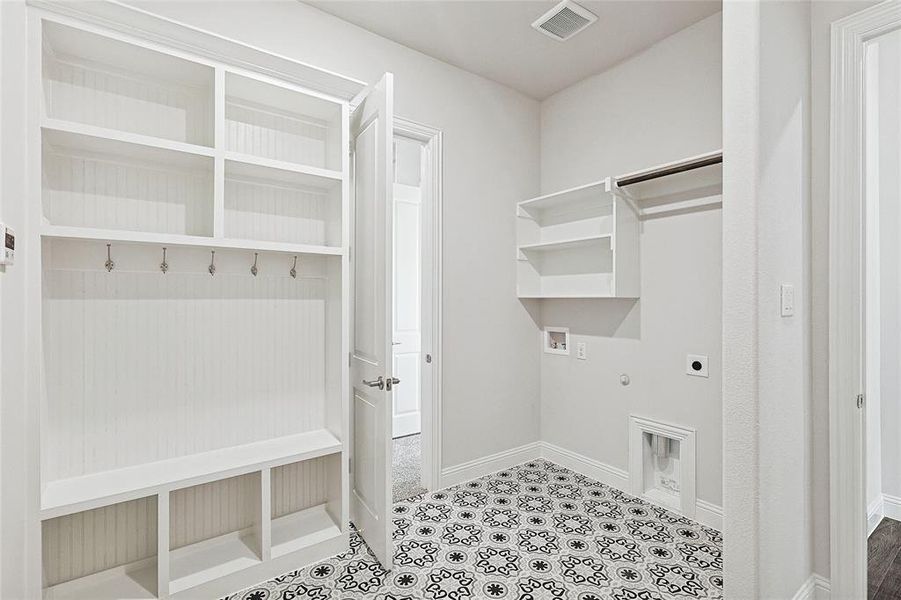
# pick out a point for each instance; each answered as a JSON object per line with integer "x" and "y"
{"x": 564, "y": 20}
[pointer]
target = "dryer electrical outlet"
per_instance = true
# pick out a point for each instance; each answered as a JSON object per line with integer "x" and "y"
{"x": 696, "y": 365}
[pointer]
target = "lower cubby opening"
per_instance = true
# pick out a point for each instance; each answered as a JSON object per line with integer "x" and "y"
{"x": 107, "y": 553}
{"x": 215, "y": 529}
{"x": 305, "y": 503}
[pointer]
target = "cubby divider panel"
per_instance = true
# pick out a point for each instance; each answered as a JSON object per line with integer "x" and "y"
{"x": 106, "y": 553}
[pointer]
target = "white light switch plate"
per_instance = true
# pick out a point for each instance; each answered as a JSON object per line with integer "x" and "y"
{"x": 787, "y": 299}
{"x": 696, "y": 365}
{"x": 581, "y": 353}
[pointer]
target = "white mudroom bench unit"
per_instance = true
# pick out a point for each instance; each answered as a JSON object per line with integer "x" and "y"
{"x": 191, "y": 270}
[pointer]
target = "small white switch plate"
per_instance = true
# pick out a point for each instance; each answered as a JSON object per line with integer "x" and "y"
{"x": 696, "y": 365}
{"x": 787, "y": 299}
{"x": 581, "y": 354}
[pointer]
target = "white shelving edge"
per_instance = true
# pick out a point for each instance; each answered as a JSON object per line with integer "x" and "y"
{"x": 280, "y": 165}
{"x": 101, "y": 489}
{"x": 101, "y": 134}
{"x": 567, "y": 243}
{"x": 168, "y": 239}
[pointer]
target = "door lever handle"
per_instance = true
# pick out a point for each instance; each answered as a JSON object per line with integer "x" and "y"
{"x": 392, "y": 381}
{"x": 377, "y": 383}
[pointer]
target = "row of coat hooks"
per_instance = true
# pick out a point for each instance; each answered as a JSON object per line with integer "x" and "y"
{"x": 164, "y": 266}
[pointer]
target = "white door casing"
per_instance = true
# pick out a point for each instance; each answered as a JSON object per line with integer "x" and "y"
{"x": 371, "y": 131}
{"x": 407, "y": 349}
{"x": 847, "y": 315}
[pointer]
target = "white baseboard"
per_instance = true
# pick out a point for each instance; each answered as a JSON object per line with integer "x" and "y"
{"x": 706, "y": 513}
{"x": 489, "y": 464}
{"x": 822, "y": 590}
{"x": 815, "y": 588}
{"x": 891, "y": 507}
{"x": 617, "y": 478}
{"x": 875, "y": 512}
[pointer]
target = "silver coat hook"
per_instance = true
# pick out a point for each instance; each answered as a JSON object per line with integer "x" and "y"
{"x": 109, "y": 264}
{"x": 164, "y": 266}
{"x": 294, "y": 269}
{"x": 212, "y": 268}
{"x": 254, "y": 269}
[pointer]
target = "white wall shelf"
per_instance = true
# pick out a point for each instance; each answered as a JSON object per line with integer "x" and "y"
{"x": 136, "y": 237}
{"x": 584, "y": 242}
{"x": 578, "y": 243}
{"x": 193, "y": 427}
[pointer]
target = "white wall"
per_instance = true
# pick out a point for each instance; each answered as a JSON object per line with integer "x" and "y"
{"x": 766, "y": 402}
{"x": 661, "y": 105}
{"x": 491, "y": 369}
{"x": 783, "y": 257}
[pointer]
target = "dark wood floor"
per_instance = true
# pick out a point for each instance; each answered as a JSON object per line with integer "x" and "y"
{"x": 884, "y": 561}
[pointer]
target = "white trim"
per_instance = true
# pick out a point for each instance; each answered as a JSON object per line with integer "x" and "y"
{"x": 638, "y": 426}
{"x": 707, "y": 513}
{"x": 606, "y": 474}
{"x": 815, "y": 588}
{"x": 847, "y": 465}
{"x": 875, "y": 512}
{"x": 432, "y": 476}
{"x": 891, "y": 507}
{"x": 489, "y": 464}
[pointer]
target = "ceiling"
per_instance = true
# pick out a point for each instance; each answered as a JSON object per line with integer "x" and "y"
{"x": 494, "y": 38}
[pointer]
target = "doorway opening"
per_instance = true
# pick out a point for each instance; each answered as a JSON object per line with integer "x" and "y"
{"x": 414, "y": 423}
{"x": 882, "y": 327}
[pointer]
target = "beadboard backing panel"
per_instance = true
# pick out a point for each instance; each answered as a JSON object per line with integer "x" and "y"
{"x": 301, "y": 485}
{"x": 89, "y": 542}
{"x": 255, "y": 129}
{"x": 206, "y": 511}
{"x": 82, "y": 189}
{"x": 102, "y": 82}
{"x": 223, "y": 360}
{"x": 281, "y": 213}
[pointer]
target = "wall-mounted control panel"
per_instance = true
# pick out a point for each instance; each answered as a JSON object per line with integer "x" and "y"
{"x": 8, "y": 256}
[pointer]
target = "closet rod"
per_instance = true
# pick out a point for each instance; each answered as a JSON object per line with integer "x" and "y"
{"x": 664, "y": 172}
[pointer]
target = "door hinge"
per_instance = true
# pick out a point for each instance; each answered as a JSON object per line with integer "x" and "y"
{"x": 860, "y": 400}
{"x": 350, "y": 465}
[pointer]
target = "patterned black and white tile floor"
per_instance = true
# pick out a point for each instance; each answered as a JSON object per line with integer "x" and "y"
{"x": 534, "y": 532}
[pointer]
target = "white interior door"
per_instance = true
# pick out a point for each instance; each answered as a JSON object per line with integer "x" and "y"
{"x": 371, "y": 368}
{"x": 407, "y": 355}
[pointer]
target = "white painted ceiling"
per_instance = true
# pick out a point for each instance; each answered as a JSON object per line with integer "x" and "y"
{"x": 494, "y": 38}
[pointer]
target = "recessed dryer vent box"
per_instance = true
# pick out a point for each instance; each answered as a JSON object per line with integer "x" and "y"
{"x": 556, "y": 340}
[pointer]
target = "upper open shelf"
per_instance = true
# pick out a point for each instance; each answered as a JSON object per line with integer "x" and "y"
{"x": 100, "y": 81}
{"x": 275, "y": 122}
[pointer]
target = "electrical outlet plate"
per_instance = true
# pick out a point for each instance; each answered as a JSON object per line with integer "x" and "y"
{"x": 696, "y": 365}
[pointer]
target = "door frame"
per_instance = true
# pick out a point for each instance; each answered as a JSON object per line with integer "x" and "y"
{"x": 432, "y": 209}
{"x": 847, "y": 218}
